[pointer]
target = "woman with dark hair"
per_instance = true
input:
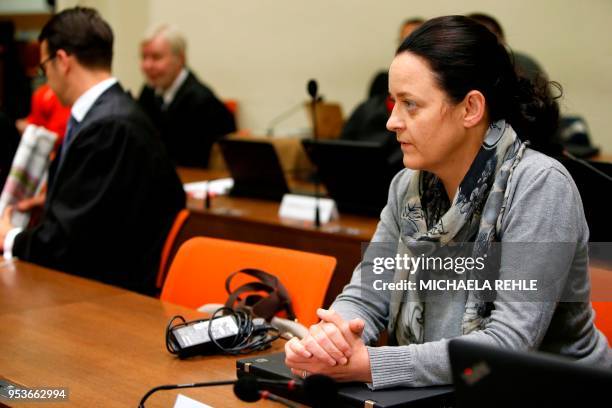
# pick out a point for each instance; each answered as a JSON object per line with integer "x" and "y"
{"x": 461, "y": 115}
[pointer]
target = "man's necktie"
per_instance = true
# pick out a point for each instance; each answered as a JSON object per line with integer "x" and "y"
{"x": 159, "y": 102}
{"x": 71, "y": 130}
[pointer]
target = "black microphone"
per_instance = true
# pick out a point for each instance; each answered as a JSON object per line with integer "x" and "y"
{"x": 318, "y": 390}
{"x": 312, "y": 89}
{"x": 179, "y": 386}
{"x": 247, "y": 389}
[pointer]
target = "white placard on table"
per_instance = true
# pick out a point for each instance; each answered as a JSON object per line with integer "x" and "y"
{"x": 300, "y": 207}
{"x": 186, "y": 402}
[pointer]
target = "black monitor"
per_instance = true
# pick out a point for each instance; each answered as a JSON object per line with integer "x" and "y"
{"x": 356, "y": 174}
{"x": 593, "y": 188}
{"x": 487, "y": 376}
{"x": 255, "y": 168}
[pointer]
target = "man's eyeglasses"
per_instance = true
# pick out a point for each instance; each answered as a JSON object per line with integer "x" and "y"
{"x": 42, "y": 66}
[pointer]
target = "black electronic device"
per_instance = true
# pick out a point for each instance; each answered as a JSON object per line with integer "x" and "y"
{"x": 356, "y": 174}
{"x": 487, "y": 376}
{"x": 255, "y": 168}
{"x": 272, "y": 366}
{"x": 228, "y": 331}
{"x": 193, "y": 338}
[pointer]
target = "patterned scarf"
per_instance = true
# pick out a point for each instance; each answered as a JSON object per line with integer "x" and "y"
{"x": 429, "y": 220}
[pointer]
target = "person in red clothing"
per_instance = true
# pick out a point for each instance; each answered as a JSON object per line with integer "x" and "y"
{"x": 46, "y": 111}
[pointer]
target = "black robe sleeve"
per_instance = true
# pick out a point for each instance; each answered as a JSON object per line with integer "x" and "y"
{"x": 110, "y": 206}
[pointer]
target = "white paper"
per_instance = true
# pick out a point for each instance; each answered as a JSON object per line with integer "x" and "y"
{"x": 28, "y": 171}
{"x": 198, "y": 189}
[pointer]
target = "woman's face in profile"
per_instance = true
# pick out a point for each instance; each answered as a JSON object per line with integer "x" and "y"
{"x": 428, "y": 126}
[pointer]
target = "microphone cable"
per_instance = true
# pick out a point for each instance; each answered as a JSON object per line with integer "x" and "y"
{"x": 586, "y": 164}
{"x": 180, "y": 386}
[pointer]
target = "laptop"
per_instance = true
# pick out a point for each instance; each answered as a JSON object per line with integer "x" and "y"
{"x": 273, "y": 366}
{"x": 255, "y": 168}
{"x": 486, "y": 376}
{"x": 356, "y": 174}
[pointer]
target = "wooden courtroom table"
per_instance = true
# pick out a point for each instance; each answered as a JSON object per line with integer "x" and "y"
{"x": 257, "y": 221}
{"x": 105, "y": 344}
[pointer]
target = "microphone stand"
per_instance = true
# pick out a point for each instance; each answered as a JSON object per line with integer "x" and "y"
{"x": 281, "y": 117}
{"x": 312, "y": 91}
{"x": 267, "y": 395}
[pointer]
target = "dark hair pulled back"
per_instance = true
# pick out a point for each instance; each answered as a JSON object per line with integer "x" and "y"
{"x": 464, "y": 55}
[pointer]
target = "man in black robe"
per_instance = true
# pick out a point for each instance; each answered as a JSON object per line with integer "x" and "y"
{"x": 112, "y": 192}
{"x": 188, "y": 114}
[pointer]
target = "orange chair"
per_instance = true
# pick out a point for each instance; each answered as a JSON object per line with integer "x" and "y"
{"x": 197, "y": 274}
{"x": 177, "y": 226}
{"x": 603, "y": 318}
{"x": 601, "y": 288}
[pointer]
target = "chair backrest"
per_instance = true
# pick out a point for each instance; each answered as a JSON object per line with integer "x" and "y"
{"x": 178, "y": 224}
{"x": 601, "y": 292}
{"x": 199, "y": 270}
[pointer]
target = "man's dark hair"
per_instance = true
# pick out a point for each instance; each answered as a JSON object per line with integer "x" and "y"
{"x": 80, "y": 31}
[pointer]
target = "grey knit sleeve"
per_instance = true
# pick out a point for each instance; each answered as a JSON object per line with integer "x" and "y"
{"x": 362, "y": 301}
{"x": 544, "y": 207}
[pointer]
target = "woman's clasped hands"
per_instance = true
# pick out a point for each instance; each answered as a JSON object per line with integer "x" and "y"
{"x": 333, "y": 347}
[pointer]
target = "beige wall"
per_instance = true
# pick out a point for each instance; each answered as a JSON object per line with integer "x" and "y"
{"x": 263, "y": 52}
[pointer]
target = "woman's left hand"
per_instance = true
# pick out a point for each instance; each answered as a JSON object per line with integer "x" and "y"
{"x": 303, "y": 362}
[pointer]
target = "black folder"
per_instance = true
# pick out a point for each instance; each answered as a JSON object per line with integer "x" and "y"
{"x": 272, "y": 366}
